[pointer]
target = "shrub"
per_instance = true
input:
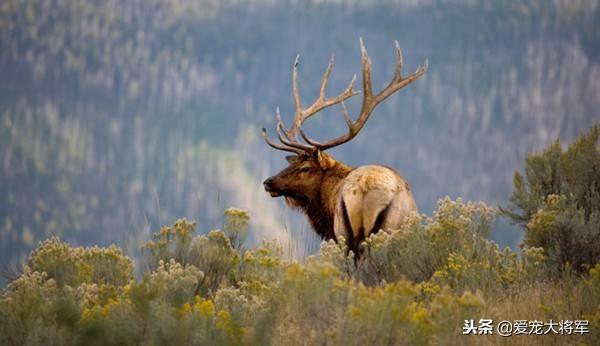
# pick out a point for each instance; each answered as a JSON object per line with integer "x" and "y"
{"x": 77, "y": 265}
{"x": 236, "y": 226}
{"x": 35, "y": 310}
{"x": 449, "y": 248}
{"x": 212, "y": 253}
{"x": 171, "y": 242}
{"x": 558, "y": 202}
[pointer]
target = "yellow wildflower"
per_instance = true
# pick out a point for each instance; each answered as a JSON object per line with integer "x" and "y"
{"x": 184, "y": 309}
{"x": 205, "y": 307}
{"x": 355, "y": 311}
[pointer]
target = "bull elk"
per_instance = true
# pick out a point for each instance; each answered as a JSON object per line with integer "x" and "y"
{"x": 341, "y": 201}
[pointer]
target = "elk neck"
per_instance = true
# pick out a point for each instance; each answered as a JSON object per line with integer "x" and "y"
{"x": 320, "y": 210}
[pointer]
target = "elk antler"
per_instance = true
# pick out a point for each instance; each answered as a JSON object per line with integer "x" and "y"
{"x": 289, "y": 139}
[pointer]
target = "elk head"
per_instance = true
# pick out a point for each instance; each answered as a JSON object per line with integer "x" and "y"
{"x": 300, "y": 182}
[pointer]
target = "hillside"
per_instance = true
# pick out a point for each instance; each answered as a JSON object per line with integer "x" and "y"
{"x": 119, "y": 117}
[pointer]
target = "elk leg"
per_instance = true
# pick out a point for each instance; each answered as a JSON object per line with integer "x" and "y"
{"x": 375, "y": 206}
{"x": 401, "y": 206}
{"x": 353, "y": 203}
{"x": 341, "y": 224}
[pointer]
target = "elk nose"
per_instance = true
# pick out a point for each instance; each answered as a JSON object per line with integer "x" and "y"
{"x": 268, "y": 183}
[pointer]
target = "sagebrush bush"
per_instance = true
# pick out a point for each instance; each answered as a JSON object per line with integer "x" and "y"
{"x": 236, "y": 226}
{"x": 416, "y": 285}
{"x": 213, "y": 253}
{"x": 76, "y": 265}
{"x": 449, "y": 249}
{"x": 558, "y": 202}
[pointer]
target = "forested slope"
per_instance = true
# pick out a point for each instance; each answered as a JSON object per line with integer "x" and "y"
{"x": 117, "y": 117}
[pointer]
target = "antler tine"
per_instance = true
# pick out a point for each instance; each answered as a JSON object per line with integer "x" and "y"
{"x": 371, "y": 101}
{"x": 399, "y": 61}
{"x": 318, "y": 144}
{"x": 286, "y": 144}
{"x": 281, "y": 124}
{"x": 326, "y": 78}
{"x": 298, "y": 105}
{"x": 320, "y": 103}
{"x": 366, "y": 71}
{"x": 277, "y": 145}
{"x": 346, "y": 116}
{"x": 290, "y": 142}
{"x": 308, "y": 139}
{"x": 399, "y": 82}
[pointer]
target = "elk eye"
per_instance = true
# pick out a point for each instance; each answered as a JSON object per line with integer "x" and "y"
{"x": 304, "y": 169}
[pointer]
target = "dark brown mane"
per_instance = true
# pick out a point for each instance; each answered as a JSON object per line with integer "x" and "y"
{"x": 321, "y": 219}
{"x": 320, "y": 210}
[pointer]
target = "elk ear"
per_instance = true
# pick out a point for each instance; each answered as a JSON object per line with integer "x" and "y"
{"x": 325, "y": 161}
{"x": 291, "y": 158}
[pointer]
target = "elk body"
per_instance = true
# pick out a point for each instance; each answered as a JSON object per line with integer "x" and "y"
{"x": 341, "y": 201}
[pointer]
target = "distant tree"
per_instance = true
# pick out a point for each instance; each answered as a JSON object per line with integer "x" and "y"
{"x": 558, "y": 201}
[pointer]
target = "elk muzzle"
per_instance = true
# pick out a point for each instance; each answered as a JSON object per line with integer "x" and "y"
{"x": 270, "y": 188}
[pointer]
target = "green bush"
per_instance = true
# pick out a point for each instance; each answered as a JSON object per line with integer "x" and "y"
{"x": 236, "y": 226}
{"x": 449, "y": 249}
{"x": 212, "y": 253}
{"x": 558, "y": 202}
{"x": 76, "y": 265}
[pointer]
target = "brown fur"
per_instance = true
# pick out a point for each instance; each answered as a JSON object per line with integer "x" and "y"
{"x": 340, "y": 200}
{"x": 315, "y": 197}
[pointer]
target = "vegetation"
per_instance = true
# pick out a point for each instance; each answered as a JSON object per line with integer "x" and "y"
{"x": 118, "y": 117}
{"x": 558, "y": 202}
{"x": 416, "y": 286}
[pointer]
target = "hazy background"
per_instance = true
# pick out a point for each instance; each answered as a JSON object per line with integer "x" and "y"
{"x": 117, "y": 117}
